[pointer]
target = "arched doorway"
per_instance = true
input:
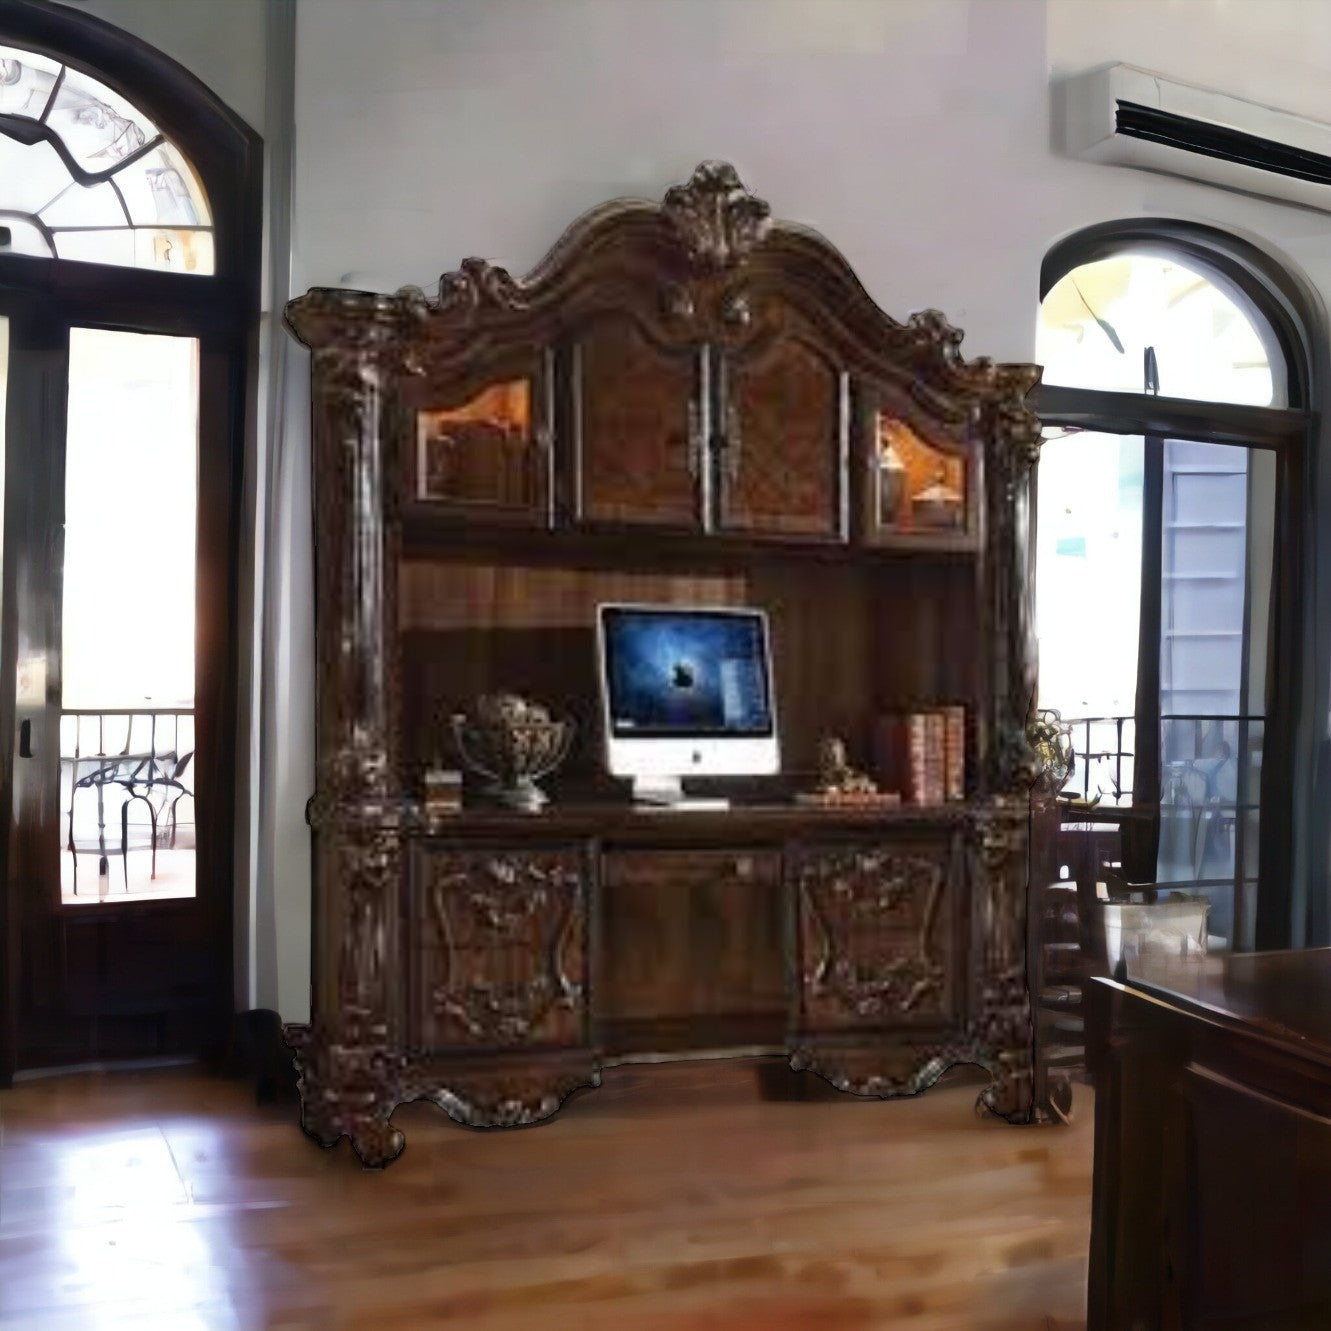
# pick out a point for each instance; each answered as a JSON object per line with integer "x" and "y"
{"x": 1170, "y": 554}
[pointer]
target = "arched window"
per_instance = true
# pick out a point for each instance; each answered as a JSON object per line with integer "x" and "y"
{"x": 87, "y": 175}
{"x": 130, "y": 226}
{"x": 1168, "y": 547}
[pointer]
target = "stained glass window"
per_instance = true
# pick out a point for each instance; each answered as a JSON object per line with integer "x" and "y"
{"x": 86, "y": 175}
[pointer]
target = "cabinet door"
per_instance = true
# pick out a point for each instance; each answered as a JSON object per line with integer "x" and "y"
{"x": 782, "y": 439}
{"x": 877, "y": 926}
{"x": 499, "y": 947}
{"x": 482, "y": 447}
{"x": 640, "y": 422}
{"x": 913, "y": 493}
{"x": 691, "y": 949}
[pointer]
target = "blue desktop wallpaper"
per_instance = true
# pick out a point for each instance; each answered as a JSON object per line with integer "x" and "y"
{"x": 686, "y": 673}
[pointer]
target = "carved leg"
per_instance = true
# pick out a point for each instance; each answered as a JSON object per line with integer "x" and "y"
{"x": 1009, "y": 1094}
{"x": 351, "y": 1091}
{"x": 1006, "y": 1045}
{"x": 376, "y": 1141}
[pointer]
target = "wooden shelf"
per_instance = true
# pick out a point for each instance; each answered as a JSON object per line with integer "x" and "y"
{"x": 614, "y": 820}
{"x": 430, "y": 534}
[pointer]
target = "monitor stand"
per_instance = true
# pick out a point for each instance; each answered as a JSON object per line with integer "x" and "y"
{"x": 667, "y": 792}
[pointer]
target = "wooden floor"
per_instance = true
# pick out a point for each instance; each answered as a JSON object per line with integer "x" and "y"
{"x": 695, "y": 1196}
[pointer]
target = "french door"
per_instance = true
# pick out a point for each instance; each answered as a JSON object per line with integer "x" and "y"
{"x": 116, "y": 671}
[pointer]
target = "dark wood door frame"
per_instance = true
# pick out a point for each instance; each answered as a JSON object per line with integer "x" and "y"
{"x": 221, "y": 311}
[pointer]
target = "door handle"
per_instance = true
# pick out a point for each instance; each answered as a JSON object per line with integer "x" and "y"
{"x": 25, "y": 739}
{"x": 697, "y": 443}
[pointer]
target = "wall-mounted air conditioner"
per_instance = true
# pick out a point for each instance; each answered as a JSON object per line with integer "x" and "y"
{"x": 1135, "y": 118}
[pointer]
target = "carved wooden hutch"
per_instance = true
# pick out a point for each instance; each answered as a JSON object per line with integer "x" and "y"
{"x": 683, "y": 403}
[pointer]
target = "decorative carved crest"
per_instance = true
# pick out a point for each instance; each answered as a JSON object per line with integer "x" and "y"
{"x": 718, "y": 220}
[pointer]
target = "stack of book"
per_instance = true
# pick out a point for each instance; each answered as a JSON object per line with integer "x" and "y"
{"x": 922, "y": 754}
{"x": 443, "y": 792}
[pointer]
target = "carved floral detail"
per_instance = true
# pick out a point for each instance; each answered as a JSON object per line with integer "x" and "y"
{"x": 718, "y": 220}
{"x": 507, "y": 925}
{"x": 477, "y": 284}
{"x": 872, "y": 914}
{"x": 508, "y": 1097}
{"x": 936, "y": 338}
{"x": 677, "y": 301}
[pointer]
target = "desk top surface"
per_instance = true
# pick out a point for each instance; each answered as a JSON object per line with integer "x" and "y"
{"x": 1284, "y": 995}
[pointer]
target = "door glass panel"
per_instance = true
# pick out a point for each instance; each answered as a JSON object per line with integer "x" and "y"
{"x": 1217, "y": 548}
{"x": 1088, "y": 601}
{"x": 127, "y": 638}
{"x": 1216, "y": 551}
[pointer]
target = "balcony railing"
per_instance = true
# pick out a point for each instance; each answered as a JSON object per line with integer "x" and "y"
{"x": 127, "y": 803}
{"x": 1209, "y": 808}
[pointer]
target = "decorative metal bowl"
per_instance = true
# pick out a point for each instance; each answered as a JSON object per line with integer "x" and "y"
{"x": 513, "y": 744}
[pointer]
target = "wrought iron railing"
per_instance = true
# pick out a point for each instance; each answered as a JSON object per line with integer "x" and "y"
{"x": 126, "y": 785}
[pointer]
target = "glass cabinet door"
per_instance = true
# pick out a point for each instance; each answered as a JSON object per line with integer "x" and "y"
{"x": 482, "y": 447}
{"x": 914, "y": 491}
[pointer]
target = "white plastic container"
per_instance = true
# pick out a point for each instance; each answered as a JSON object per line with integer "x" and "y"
{"x": 1174, "y": 928}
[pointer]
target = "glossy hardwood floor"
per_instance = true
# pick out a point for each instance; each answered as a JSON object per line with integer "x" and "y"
{"x": 694, "y": 1196}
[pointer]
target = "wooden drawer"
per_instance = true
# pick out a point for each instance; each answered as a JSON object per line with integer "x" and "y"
{"x": 499, "y": 947}
{"x": 877, "y": 932}
{"x": 691, "y": 948}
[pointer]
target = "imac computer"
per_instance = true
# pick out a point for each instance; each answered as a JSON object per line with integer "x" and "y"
{"x": 685, "y": 693}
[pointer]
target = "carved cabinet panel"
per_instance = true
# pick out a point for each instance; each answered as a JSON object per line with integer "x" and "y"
{"x": 501, "y": 947}
{"x": 782, "y": 437}
{"x": 641, "y": 427}
{"x": 876, "y": 927}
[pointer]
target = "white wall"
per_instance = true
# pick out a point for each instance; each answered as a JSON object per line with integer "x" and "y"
{"x": 222, "y": 42}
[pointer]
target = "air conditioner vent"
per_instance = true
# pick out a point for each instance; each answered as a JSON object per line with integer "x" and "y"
{"x": 1135, "y": 118}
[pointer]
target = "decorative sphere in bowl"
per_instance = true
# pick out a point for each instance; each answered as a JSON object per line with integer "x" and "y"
{"x": 513, "y": 743}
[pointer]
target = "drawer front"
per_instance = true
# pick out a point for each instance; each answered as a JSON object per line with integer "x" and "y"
{"x": 500, "y": 947}
{"x": 690, "y": 933}
{"x": 877, "y": 933}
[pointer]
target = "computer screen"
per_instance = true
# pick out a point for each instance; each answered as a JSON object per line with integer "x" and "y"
{"x": 686, "y": 673}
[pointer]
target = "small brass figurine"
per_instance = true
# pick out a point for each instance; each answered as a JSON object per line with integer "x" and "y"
{"x": 840, "y": 785}
{"x": 835, "y": 774}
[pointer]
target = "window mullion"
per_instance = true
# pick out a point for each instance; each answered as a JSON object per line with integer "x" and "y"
{"x": 1173, "y": 418}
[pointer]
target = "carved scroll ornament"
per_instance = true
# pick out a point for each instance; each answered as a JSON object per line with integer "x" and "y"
{"x": 873, "y": 914}
{"x": 510, "y": 929}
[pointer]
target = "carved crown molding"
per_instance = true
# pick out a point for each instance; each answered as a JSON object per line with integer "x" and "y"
{"x": 716, "y": 218}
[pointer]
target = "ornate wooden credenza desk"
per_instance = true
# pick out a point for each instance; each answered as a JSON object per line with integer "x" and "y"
{"x": 683, "y": 403}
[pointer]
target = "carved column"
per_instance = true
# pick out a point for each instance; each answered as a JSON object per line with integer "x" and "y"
{"x": 1004, "y": 1032}
{"x": 1004, "y": 1027}
{"x": 350, "y": 1070}
{"x": 1012, "y": 444}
